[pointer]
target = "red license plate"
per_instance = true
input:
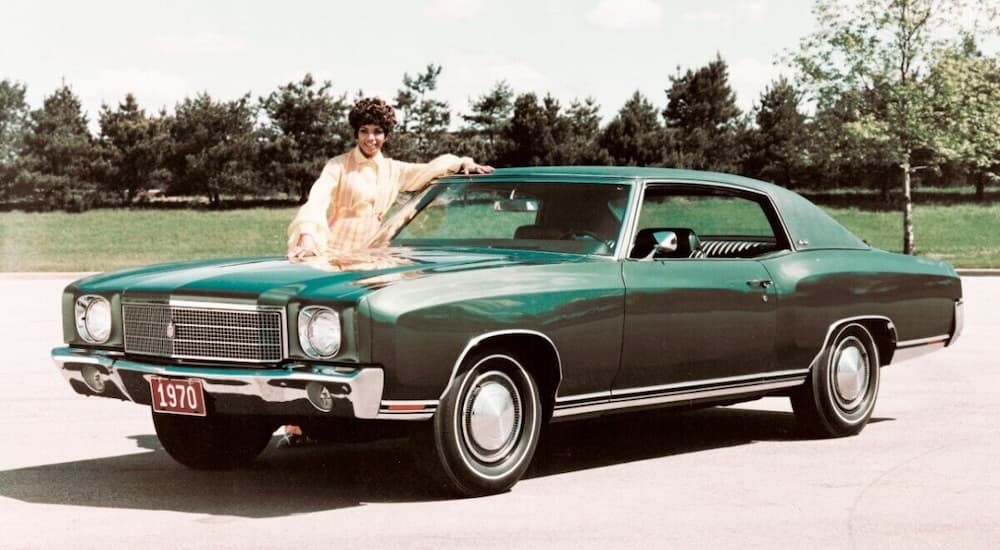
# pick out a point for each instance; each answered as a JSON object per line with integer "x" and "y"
{"x": 174, "y": 396}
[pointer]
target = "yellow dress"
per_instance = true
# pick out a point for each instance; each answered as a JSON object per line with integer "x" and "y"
{"x": 349, "y": 199}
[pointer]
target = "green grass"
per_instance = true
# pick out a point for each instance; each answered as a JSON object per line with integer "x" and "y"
{"x": 964, "y": 235}
{"x": 101, "y": 240}
{"x": 106, "y": 239}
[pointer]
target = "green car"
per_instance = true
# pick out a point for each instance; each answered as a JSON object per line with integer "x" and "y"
{"x": 491, "y": 305}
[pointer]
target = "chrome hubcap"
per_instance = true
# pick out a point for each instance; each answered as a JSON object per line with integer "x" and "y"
{"x": 851, "y": 373}
{"x": 492, "y": 416}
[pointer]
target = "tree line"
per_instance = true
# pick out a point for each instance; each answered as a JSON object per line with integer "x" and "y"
{"x": 879, "y": 97}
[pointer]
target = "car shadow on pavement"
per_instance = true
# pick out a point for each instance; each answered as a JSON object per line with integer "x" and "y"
{"x": 326, "y": 477}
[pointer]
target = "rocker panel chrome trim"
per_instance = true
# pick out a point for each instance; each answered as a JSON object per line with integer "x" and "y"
{"x": 673, "y": 393}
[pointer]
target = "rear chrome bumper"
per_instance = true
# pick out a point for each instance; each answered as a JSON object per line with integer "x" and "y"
{"x": 357, "y": 392}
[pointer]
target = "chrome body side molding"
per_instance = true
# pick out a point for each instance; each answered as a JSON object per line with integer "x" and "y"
{"x": 620, "y": 400}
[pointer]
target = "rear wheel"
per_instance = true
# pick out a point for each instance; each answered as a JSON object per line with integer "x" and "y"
{"x": 839, "y": 398}
{"x": 486, "y": 429}
{"x": 212, "y": 442}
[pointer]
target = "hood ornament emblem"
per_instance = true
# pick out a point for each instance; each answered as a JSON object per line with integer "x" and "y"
{"x": 171, "y": 330}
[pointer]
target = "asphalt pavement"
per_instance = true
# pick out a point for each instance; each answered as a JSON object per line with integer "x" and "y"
{"x": 81, "y": 473}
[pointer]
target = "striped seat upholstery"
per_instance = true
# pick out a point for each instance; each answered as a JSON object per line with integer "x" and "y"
{"x": 733, "y": 249}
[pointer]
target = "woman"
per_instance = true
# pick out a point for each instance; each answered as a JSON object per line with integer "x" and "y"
{"x": 355, "y": 190}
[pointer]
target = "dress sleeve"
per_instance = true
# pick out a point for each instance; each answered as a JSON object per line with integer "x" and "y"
{"x": 311, "y": 219}
{"x": 416, "y": 176}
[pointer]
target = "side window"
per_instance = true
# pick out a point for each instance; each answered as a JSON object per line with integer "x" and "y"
{"x": 706, "y": 225}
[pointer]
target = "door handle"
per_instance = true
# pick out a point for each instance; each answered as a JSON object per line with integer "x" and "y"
{"x": 762, "y": 283}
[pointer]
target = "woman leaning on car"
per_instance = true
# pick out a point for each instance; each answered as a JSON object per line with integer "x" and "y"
{"x": 355, "y": 190}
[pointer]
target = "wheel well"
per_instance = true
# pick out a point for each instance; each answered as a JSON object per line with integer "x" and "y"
{"x": 540, "y": 359}
{"x": 884, "y": 333}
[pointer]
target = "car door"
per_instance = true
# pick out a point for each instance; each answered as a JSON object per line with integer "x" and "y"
{"x": 692, "y": 317}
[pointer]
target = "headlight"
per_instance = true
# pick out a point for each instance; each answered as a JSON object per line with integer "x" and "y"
{"x": 319, "y": 331}
{"x": 93, "y": 319}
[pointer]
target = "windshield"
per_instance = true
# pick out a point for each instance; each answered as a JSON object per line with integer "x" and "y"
{"x": 575, "y": 218}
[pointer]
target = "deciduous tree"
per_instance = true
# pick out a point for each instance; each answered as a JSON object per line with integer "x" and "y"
{"x": 877, "y": 53}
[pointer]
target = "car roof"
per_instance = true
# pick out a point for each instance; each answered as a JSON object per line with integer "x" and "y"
{"x": 809, "y": 226}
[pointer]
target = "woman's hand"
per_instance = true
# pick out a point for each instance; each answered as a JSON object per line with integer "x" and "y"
{"x": 469, "y": 166}
{"x": 304, "y": 248}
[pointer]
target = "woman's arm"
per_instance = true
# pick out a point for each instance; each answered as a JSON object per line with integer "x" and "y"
{"x": 416, "y": 176}
{"x": 307, "y": 234}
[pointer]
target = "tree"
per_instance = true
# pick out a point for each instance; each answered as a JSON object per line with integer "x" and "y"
{"x": 704, "y": 120}
{"x": 132, "y": 145}
{"x": 965, "y": 88}
{"x": 530, "y": 133}
{"x": 214, "y": 145}
{"x": 578, "y": 134}
{"x": 635, "y": 137}
{"x": 14, "y": 123}
{"x": 484, "y": 136}
{"x": 777, "y": 149}
{"x": 424, "y": 120}
{"x": 876, "y": 53}
{"x": 308, "y": 125}
{"x": 58, "y": 165}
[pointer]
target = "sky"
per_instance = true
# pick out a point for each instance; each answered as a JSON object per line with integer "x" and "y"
{"x": 164, "y": 51}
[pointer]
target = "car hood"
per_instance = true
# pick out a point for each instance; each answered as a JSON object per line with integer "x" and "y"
{"x": 277, "y": 280}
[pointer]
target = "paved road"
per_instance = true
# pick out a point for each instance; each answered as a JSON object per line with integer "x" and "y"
{"x": 89, "y": 473}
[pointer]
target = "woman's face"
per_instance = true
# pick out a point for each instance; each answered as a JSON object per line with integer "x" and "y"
{"x": 371, "y": 138}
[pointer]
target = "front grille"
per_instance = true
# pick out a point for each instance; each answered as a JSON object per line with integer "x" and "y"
{"x": 210, "y": 333}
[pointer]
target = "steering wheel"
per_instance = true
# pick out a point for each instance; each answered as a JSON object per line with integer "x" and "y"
{"x": 582, "y": 233}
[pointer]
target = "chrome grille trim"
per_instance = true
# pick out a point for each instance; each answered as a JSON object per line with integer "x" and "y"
{"x": 205, "y": 331}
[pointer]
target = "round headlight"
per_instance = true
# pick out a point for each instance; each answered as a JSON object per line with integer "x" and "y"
{"x": 319, "y": 331}
{"x": 93, "y": 319}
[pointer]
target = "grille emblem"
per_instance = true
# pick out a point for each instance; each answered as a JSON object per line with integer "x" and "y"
{"x": 171, "y": 330}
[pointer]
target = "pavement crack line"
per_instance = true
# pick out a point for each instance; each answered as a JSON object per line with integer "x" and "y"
{"x": 852, "y": 512}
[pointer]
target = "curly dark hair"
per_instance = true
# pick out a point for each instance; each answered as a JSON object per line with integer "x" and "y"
{"x": 372, "y": 110}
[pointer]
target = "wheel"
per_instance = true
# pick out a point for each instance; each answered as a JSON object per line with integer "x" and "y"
{"x": 486, "y": 428}
{"x": 840, "y": 395}
{"x": 212, "y": 442}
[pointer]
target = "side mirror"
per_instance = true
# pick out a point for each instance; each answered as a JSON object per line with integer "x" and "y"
{"x": 666, "y": 242}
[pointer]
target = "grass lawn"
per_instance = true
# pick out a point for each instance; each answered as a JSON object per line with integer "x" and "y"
{"x": 101, "y": 240}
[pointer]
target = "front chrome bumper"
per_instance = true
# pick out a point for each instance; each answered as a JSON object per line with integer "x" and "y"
{"x": 357, "y": 392}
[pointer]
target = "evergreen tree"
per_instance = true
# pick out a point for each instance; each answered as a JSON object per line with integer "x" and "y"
{"x": 704, "y": 120}
{"x": 778, "y": 143}
{"x": 59, "y": 158}
{"x": 424, "y": 121}
{"x": 579, "y": 142}
{"x": 635, "y": 137}
{"x": 214, "y": 145}
{"x": 484, "y": 136}
{"x": 530, "y": 133}
{"x": 132, "y": 145}
{"x": 308, "y": 125}
{"x": 14, "y": 123}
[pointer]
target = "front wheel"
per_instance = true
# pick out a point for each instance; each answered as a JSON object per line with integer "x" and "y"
{"x": 840, "y": 395}
{"x": 212, "y": 442}
{"x": 485, "y": 431}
